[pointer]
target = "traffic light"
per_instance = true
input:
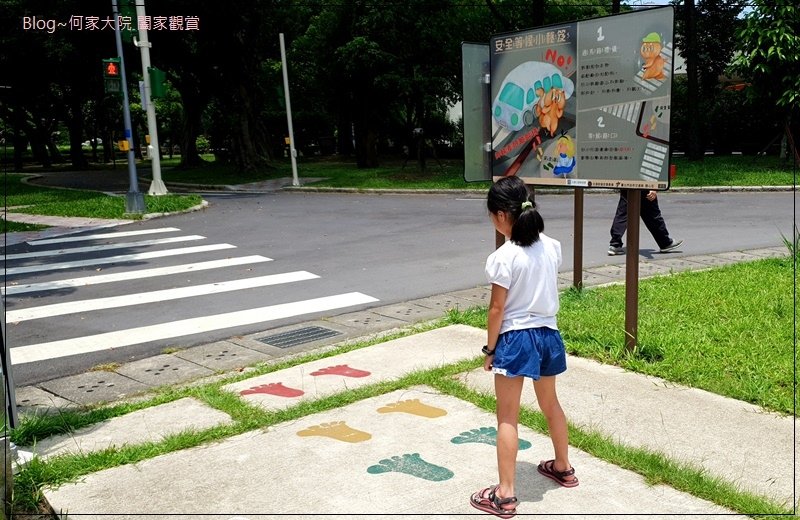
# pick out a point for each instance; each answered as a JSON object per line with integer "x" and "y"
{"x": 112, "y": 76}
{"x": 157, "y": 88}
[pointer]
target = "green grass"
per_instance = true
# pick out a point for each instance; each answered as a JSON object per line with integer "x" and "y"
{"x": 734, "y": 170}
{"x": 654, "y": 467}
{"x": 12, "y": 227}
{"x": 338, "y": 173}
{"x": 726, "y": 330}
{"x": 40, "y": 200}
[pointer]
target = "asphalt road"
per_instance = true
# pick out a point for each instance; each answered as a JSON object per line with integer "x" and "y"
{"x": 392, "y": 248}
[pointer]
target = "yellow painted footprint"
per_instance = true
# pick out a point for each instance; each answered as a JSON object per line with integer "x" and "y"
{"x": 335, "y": 430}
{"x": 414, "y": 407}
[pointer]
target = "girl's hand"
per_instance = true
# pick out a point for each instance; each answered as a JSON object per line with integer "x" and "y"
{"x": 487, "y": 362}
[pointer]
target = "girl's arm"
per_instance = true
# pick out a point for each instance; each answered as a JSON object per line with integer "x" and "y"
{"x": 497, "y": 305}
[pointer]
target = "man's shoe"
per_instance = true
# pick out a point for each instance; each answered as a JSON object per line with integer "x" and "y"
{"x": 674, "y": 245}
{"x": 614, "y": 250}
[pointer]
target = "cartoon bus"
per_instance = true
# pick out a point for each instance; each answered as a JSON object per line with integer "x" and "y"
{"x": 529, "y": 82}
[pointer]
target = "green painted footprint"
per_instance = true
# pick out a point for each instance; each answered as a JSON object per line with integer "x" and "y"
{"x": 486, "y": 435}
{"x": 411, "y": 464}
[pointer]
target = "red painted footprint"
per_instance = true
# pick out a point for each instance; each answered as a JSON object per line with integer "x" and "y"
{"x": 273, "y": 389}
{"x": 340, "y": 370}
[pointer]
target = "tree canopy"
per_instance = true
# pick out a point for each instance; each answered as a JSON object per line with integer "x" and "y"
{"x": 363, "y": 74}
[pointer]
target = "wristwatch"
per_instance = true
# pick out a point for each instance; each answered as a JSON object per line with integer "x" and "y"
{"x": 488, "y": 352}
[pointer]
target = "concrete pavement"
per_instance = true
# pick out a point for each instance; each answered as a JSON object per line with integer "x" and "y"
{"x": 354, "y": 459}
{"x": 404, "y": 451}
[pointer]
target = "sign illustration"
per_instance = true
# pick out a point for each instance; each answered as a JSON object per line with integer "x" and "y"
{"x": 584, "y": 104}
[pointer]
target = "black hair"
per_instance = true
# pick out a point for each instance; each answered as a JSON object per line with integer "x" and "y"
{"x": 508, "y": 195}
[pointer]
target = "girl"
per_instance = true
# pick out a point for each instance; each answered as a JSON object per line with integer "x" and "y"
{"x": 523, "y": 340}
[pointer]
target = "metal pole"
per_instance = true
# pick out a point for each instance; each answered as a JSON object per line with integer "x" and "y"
{"x": 632, "y": 270}
{"x": 9, "y": 400}
{"x": 577, "y": 255}
{"x": 157, "y": 186}
{"x": 292, "y": 150}
{"x": 134, "y": 201}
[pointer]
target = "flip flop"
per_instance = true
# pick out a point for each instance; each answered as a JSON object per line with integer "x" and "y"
{"x": 548, "y": 469}
{"x": 487, "y": 501}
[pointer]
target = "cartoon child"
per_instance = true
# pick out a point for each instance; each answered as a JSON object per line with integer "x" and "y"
{"x": 653, "y": 61}
{"x": 552, "y": 99}
{"x": 566, "y": 156}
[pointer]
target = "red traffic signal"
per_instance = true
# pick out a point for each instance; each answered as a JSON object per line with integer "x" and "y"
{"x": 111, "y": 68}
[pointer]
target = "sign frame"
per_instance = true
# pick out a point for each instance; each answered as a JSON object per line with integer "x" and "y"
{"x": 584, "y": 104}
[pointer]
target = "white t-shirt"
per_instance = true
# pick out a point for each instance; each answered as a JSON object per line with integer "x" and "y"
{"x": 530, "y": 274}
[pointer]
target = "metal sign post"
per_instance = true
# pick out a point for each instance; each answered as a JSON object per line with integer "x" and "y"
{"x": 157, "y": 186}
{"x": 134, "y": 201}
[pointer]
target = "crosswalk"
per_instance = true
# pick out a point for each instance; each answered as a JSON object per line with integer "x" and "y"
{"x": 51, "y": 280}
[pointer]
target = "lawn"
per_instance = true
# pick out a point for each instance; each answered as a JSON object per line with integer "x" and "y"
{"x": 38, "y": 200}
{"x": 336, "y": 172}
{"x": 727, "y": 330}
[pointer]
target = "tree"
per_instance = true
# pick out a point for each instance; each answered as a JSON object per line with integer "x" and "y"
{"x": 768, "y": 47}
{"x": 705, "y": 34}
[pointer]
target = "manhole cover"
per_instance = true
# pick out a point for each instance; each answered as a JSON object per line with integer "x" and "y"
{"x": 298, "y": 336}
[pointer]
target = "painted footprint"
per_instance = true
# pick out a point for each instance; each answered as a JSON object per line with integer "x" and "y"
{"x": 414, "y": 407}
{"x": 486, "y": 435}
{"x": 411, "y": 464}
{"x": 340, "y": 370}
{"x": 336, "y": 430}
{"x": 273, "y": 389}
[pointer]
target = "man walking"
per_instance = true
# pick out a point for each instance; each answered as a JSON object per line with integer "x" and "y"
{"x": 651, "y": 216}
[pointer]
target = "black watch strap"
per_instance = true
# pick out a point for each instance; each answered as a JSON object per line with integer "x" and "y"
{"x": 488, "y": 352}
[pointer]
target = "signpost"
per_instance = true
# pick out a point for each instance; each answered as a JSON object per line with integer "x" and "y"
{"x": 578, "y": 105}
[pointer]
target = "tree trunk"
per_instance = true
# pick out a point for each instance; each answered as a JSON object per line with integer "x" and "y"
{"x": 366, "y": 140}
{"x": 75, "y": 125}
{"x": 537, "y": 18}
{"x": 695, "y": 151}
{"x": 192, "y": 116}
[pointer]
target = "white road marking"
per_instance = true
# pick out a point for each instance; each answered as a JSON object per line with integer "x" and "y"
{"x": 174, "y": 329}
{"x": 101, "y": 236}
{"x": 91, "y": 249}
{"x": 115, "y": 259}
{"x": 132, "y": 275}
{"x": 72, "y": 307}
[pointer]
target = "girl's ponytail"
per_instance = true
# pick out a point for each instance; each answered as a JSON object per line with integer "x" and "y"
{"x": 511, "y": 195}
{"x": 527, "y": 226}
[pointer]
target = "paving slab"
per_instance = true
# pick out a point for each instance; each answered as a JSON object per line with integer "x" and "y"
{"x": 164, "y": 369}
{"x": 591, "y": 278}
{"x": 409, "y": 452}
{"x": 408, "y": 312}
{"x": 738, "y": 256}
{"x": 769, "y": 252}
{"x": 712, "y": 260}
{"x": 383, "y": 362}
{"x": 148, "y": 425}
{"x": 477, "y": 295}
{"x": 740, "y": 442}
{"x": 653, "y": 268}
{"x": 367, "y": 321}
{"x": 37, "y": 400}
{"x": 682, "y": 264}
{"x": 445, "y": 302}
{"x": 94, "y": 387}
{"x": 222, "y": 356}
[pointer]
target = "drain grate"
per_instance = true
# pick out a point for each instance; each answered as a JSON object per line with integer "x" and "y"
{"x": 298, "y": 337}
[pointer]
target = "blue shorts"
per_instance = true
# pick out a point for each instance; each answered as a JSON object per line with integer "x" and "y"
{"x": 530, "y": 352}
